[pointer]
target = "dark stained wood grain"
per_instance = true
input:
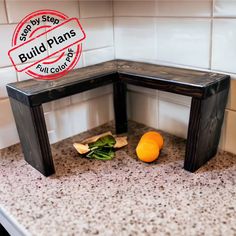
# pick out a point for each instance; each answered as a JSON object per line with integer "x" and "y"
{"x": 57, "y": 92}
{"x": 167, "y": 73}
{"x": 182, "y": 81}
{"x": 206, "y": 118}
{"x": 33, "y": 135}
{"x": 208, "y": 91}
{"x": 120, "y": 106}
{"x": 3, "y": 231}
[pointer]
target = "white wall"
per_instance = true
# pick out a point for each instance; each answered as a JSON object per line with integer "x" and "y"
{"x": 195, "y": 34}
{"x": 192, "y": 34}
{"x": 71, "y": 115}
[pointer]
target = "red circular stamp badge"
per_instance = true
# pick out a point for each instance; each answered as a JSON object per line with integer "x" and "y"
{"x": 46, "y": 44}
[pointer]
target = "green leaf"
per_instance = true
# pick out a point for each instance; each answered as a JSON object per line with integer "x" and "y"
{"x": 102, "y": 154}
{"x": 106, "y": 141}
{"x": 102, "y": 149}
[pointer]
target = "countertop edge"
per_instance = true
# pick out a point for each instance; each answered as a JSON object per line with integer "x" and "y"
{"x": 11, "y": 224}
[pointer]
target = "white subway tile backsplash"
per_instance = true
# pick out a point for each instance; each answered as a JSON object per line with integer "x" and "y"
{"x": 99, "y": 32}
{"x": 184, "y": 41}
{"x": 173, "y": 118}
{"x": 17, "y": 10}
{"x": 174, "y": 32}
{"x": 223, "y": 134}
{"x": 175, "y": 98}
{"x": 91, "y": 94}
{"x": 80, "y": 63}
{"x": 3, "y": 15}
{"x": 77, "y": 98}
{"x": 22, "y": 75}
{"x": 134, "y": 8}
{"x": 230, "y": 132}
{"x": 173, "y": 8}
{"x": 60, "y": 103}
{"x": 7, "y": 75}
{"x": 143, "y": 108}
{"x": 6, "y": 33}
{"x": 52, "y": 136}
{"x": 185, "y": 8}
{"x": 135, "y": 38}
{"x": 99, "y": 55}
{"x": 79, "y": 117}
{"x": 95, "y": 8}
{"x": 139, "y": 89}
{"x": 60, "y": 121}
{"x": 8, "y": 132}
{"x": 100, "y": 110}
{"x": 232, "y": 94}
{"x": 97, "y": 92}
{"x": 47, "y": 107}
{"x": 223, "y": 45}
{"x": 50, "y": 121}
{"x": 224, "y": 8}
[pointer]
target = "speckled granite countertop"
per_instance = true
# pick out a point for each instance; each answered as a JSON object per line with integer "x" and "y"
{"x": 123, "y": 196}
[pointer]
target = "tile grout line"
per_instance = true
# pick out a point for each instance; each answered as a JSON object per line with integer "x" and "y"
{"x": 79, "y": 9}
{"x": 5, "y": 7}
{"x": 211, "y": 34}
{"x": 113, "y": 24}
{"x": 172, "y": 17}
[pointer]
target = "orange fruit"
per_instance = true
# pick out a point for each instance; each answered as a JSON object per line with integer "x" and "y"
{"x": 147, "y": 150}
{"x": 153, "y": 135}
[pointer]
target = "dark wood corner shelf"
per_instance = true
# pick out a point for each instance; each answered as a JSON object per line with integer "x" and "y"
{"x": 208, "y": 90}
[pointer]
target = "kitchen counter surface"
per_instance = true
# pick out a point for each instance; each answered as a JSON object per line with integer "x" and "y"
{"x": 119, "y": 197}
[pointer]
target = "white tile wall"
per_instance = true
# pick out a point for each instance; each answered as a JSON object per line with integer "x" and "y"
{"x": 143, "y": 108}
{"x": 223, "y": 45}
{"x": 173, "y": 118}
{"x": 8, "y": 133}
{"x": 179, "y": 8}
{"x": 3, "y": 15}
{"x": 232, "y": 94}
{"x": 6, "y": 33}
{"x": 99, "y": 32}
{"x": 224, "y": 8}
{"x": 175, "y": 98}
{"x": 100, "y": 110}
{"x": 18, "y": 9}
{"x": 184, "y": 41}
{"x": 91, "y": 94}
{"x": 194, "y": 34}
{"x": 79, "y": 117}
{"x": 68, "y": 116}
{"x": 138, "y": 89}
{"x": 97, "y": 56}
{"x": 135, "y": 38}
{"x": 7, "y": 75}
{"x": 188, "y": 33}
{"x": 134, "y": 8}
{"x": 96, "y": 9}
{"x": 230, "y": 131}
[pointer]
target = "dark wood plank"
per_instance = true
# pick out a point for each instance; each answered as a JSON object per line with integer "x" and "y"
{"x": 31, "y": 87}
{"x": 187, "y": 82}
{"x": 208, "y": 91}
{"x": 33, "y": 136}
{"x": 120, "y": 106}
{"x": 3, "y": 231}
{"x": 169, "y": 74}
{"x": 58, "y": 92}
{"x": 163, "y": 85}
{"x": 206, "y": 118}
